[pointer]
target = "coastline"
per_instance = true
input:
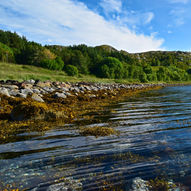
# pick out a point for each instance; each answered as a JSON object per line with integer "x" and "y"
{"x": 38, "y": 106}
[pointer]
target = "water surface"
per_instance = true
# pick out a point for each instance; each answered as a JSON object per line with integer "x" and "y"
{"x": 155, "y": 140}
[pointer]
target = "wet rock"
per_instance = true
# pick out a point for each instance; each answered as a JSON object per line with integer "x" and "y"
{"x": 4, "y": 91}
{"x": 139, "y": 185}
{"x": 37, "y": 98}
{"x": 28, "y": 111}
{"x": 67, "y": 185}
{"x": 59, "y": 95}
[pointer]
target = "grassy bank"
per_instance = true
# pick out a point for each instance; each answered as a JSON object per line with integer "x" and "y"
{"x": 9, "y": 71}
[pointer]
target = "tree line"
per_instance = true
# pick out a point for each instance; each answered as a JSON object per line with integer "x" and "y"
{"x": 102, "y": 61}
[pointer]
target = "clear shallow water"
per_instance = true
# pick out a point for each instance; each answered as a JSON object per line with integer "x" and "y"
{"x": 155, "y": 140}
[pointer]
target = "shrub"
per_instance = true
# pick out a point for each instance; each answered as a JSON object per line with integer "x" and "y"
{"x": 71, "y": 70}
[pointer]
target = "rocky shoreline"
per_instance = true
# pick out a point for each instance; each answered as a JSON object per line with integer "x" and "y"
{"x": 37, "y": 89}
{"x": 38, "y": 106}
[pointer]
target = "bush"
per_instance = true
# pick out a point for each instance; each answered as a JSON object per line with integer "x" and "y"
{"x": 71, "y": 70}
{"x": 56, "y": 64}
{"x": 111, "y": 68}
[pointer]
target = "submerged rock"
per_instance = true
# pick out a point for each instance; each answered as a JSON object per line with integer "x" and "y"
{"x": 139, "y": 185}
{"x": 68, "y": 184}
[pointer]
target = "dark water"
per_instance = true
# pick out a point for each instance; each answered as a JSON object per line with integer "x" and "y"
{"x": 155, "y": 140}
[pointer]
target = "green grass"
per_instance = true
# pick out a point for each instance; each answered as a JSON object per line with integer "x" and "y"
{"x": 9, "y": 71}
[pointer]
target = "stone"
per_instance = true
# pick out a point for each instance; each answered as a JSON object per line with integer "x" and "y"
{"x": 4, "y": 91}
{"x": 139, "y": 185}
{"x": 48, "y": 89}
{"x": 43, "y": 84}
{"x": 11, "y": 87}
{"x": 29, "y": 110}
{"x": 37, "y": 98}
{"x": 36, "y": 91}
{"x": 67, "y": 94}
{"x": 76, "y": 89}
{"x": 13, "y": 92}
{"x": 26, "y": 91}
{"x": 59, "y": 95}
{"x": 21, "y": 95}
{"x": 30, "y": 81}
{"x": 26, "y": 85}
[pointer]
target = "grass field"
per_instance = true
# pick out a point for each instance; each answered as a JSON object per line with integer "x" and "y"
{"x": 9, "y": 71}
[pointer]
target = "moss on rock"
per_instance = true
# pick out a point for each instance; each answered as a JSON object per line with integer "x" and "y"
{"x": 28, "y": 110}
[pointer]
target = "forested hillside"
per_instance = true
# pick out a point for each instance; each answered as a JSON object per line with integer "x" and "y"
{"x": 101, "y": 61}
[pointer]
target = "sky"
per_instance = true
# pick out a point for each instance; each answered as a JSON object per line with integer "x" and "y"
{"x": 130, "y": 25}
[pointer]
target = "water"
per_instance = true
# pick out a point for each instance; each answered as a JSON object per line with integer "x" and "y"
{"x": 155, "y": 140}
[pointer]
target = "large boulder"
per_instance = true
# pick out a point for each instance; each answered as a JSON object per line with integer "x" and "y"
{"x": 29, "y": 111}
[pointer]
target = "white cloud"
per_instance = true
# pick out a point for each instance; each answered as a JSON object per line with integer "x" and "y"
{"x": 110, "y": 6}
{"x": 179, "y": 1}
{"x": 136, "y": 18}
{"x": 66, "y": 22}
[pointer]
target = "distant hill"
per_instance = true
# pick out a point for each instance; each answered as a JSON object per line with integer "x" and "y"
{"x": 102, "y": 61}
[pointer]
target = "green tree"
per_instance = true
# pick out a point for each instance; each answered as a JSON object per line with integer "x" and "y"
{"x": 111, "y": 67}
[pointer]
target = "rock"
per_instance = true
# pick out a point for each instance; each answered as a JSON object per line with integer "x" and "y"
{"x": 59, "y": 95}
{"x": 36, "y": 91}
{"x": 139, "y": 185}
{"x": 11, "y": 87}
{"x": 13, "y": 92}
{"x": 43, "y": 84}
{"x": 30, "y": 81}
{"x": 48, "y": 89}
{"x": 37, "y": 98}
{"x": 26, "y": 85}
{"x": 67, "y": 185}
{"x": 29, "y": 110}
{"x": 21, "y": 95}
{"x": 76, "y": 89}
{"x": 4, "y": 91}
{"x": 26, "y": 91}
{"x": 67, "y": 94}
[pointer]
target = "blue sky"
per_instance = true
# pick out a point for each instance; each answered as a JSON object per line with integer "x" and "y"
{"x": 131, "y": 25}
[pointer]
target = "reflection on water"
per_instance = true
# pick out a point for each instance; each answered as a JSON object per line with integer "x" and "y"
{"x": 155, "y": 140}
